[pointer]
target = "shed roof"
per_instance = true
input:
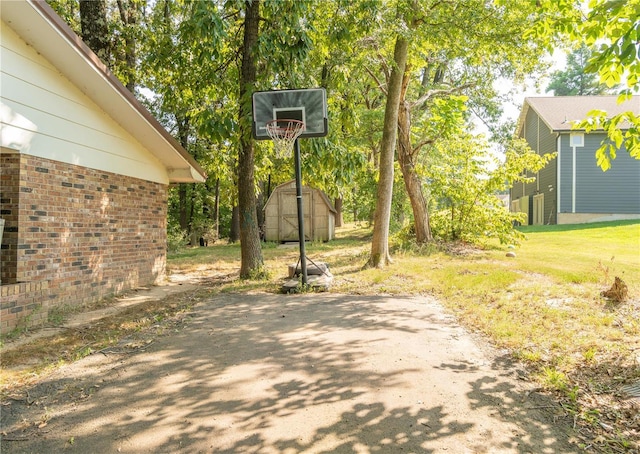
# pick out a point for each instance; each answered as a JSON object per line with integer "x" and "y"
{"x": 559, "y": 112}
{"x": 38, "y": 24}
{"x": 323, "y": 196}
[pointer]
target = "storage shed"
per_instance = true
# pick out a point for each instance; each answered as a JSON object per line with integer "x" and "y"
{"x": 281, "y": 214}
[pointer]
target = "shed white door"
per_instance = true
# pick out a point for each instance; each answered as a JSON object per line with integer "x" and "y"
{"x": 288, "y": 220}
{"x": 538, "y": 209}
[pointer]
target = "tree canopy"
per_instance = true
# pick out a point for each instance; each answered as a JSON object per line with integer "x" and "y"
{"x": 404, "y": 79}
{"x": 574, "y": 80}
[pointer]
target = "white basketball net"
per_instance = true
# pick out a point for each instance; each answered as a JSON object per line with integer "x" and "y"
{"x": 284, "y": 133}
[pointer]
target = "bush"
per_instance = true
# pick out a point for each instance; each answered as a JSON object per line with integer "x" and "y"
{"x": 477, "y": 223}
{"x": 464, "y": 182}
{"x": 176, "y": 238}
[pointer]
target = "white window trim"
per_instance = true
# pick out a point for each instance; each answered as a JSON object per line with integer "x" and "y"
{"x": 576, "y": 139}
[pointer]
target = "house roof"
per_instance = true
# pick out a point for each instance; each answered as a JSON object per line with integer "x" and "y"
{"x": 38, "y": 24}
{"x": 560, "y": 112}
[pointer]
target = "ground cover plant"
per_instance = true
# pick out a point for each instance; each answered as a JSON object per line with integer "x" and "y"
{"x": 545, "y": 306}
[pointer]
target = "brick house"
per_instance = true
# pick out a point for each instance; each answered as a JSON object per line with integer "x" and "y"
{"x": 572, "y": 189}
{"x": 84, "y": 173}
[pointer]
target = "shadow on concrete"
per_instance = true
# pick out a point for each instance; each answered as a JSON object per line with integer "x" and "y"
{"x": 286, "y": 374}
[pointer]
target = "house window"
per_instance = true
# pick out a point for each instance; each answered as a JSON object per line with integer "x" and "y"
{"x": 576, "y": 139}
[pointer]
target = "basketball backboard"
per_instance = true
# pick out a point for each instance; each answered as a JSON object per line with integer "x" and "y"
{"x": 308, "y": 105}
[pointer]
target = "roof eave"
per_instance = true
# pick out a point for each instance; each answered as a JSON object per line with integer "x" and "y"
{"x": 39, "y": 25}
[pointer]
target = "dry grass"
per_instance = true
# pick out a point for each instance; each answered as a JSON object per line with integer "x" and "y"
{"x": 29, "y": 362}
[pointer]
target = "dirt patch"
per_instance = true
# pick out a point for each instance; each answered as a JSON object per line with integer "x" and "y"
{"x": 267, "y": 373}
{"x": 178, "y": 284}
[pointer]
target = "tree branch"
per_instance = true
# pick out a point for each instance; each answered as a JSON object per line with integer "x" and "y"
{"x": 439, "y": 92}
{"x": 380, "y": 85}
{"x": 421, "y": 144}
{"x": 121, "y": 9}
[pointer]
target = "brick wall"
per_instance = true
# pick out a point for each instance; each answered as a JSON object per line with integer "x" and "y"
{"x": 9, "y": 184}
{"x": 84, "y": 234}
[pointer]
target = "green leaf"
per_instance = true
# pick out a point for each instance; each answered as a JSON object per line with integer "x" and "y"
{"x": 602, "y": 158}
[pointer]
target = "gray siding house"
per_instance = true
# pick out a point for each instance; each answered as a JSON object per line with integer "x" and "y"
{"x": 572, "y": 189}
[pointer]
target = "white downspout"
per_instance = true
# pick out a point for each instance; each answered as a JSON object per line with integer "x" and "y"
{"x": 538, "y": 152}
{"x": 558, "y": 181}
{"x": 573, "y": 181}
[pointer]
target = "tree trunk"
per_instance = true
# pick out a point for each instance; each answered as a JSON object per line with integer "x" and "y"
{"x": 216, "y": 211}
{"x": 411, "y": 178}
{"x": 234, "y": 229}
{"x": 260, "y": 201}
{"x": 194, "y": 233}
{"x": 355, "y": 207}
{"x": 380, "y": 256}
{"x": 95, "y": 32}
{"x": 338, "y": 207}
{"x": 250, "y": 249}
{"x": 128, "y": 16}
{"x": 182, "y": 206}
{"x": 183, "y": 137}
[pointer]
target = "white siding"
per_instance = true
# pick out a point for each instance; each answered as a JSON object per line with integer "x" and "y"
{"x": 45, "y": 115}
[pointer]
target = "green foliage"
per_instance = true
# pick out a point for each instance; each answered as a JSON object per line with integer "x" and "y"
{"x": 404, "y": 241}
{"x": 259, "y": 274}
{"x": 554, "y": 379}
{"x": 176, "y": 237}
{"x": 400, "y": 205}
{"x": 69, "y": 12}
{"x": 359, "y": 203}
{"x": 574, "y": 80}
{"x": 613, "y": 27}
{"x": 622, "y": 130}
{"x": 189, "y": 58}
{"x": 464, "y": 184}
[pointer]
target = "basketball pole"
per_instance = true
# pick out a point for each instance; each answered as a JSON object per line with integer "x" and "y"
{"x": 303, "y": 257}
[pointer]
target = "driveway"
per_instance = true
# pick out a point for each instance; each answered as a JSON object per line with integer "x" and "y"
{"x": 310, "y": 373}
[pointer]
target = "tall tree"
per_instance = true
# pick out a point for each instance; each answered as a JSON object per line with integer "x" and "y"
{"x": 251, "y": 253}
{"x": 110, "y": 28}
{"x": 574, "y": 80}
{"x": 488, "y": 34}
{"x": 334, "y": 163}
{"x": 488, "y": 43}
{"x": 468, "y": 208}
{"x": 95, "y": 30}
{"x": 380, "y": 256}
{"x": 128, "y": 13}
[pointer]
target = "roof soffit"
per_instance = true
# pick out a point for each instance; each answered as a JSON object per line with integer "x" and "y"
{"x": 45, "y": 31}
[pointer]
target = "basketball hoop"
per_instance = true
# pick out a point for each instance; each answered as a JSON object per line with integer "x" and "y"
{"x": 284, "y": 133}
